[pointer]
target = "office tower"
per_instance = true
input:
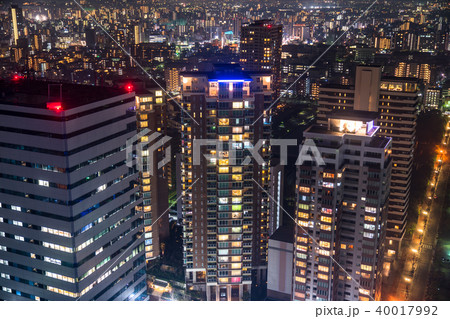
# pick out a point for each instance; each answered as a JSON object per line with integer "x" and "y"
{"x": 398, "y": 108}
{"x": 69, "y": 227}
{"x": 225, "y": 213}
{"x": 17, "y": 26}
{"x": 342, "y": 210}
{"x": 261, "y": 44}
{"x": 151, "y": 119}
{"x": 280, "y": 264}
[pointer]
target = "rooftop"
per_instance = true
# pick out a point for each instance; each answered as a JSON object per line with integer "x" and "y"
{"x": 226, "y": 72}
{"x": 354, "y": 115}
{"x": 285, "y": 234}
{"x": 33, "y": 93}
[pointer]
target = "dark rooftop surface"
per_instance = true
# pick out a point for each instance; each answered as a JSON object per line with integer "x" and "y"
{"x": 33, "y": 93}
{"x": 226, "y": 72}
{"x": 352, "y": 115}
{"x": 379, "y": 141}
{"x": 284, "y": 233}
{"x": 399, "y": 79}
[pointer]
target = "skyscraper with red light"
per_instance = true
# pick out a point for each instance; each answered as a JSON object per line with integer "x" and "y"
{"x": 70, "y": 227}
{"x": 261, "y": 44}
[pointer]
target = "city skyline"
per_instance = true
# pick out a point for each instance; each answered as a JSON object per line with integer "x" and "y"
{"x": 227, "y": 151}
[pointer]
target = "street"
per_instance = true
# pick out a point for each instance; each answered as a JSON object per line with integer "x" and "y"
{"x": 413, "y": 284}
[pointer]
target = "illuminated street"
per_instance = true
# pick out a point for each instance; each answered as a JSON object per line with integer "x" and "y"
{"x": 421, "y": 253}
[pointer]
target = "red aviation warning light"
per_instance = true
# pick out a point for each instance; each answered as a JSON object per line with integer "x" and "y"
{"x": 129, "y": 87}
{"x": 54, "y": 106}
{"x": 54, "y": 101}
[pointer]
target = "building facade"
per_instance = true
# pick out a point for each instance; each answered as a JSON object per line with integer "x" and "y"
{"x": 69, "y": 224}
{"x": 151, "y": 130}
{"x": 396, "y": 100}
{"x": 398, "y": 110}
{"x": 261, "y": 43}
{"x": 342, "y": 211}
{"x": 225, "y": 213}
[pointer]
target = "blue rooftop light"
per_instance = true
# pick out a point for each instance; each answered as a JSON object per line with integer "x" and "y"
{"x": 234, "y": 80}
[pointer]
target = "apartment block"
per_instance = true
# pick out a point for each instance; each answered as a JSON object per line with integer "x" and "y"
{"x": 225, "y": 212}
{"x": 341, "y": 212}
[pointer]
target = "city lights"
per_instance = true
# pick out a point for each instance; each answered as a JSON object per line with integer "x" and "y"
{"x": 147, "y": 154}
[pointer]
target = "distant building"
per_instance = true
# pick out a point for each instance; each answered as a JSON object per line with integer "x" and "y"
{"x": 90, "y": 38}
{"x": 17, "y": 27}
{"x": 172, "y": 77}
{"x": 432, "y": 97}
{"x": 261, "y": 43}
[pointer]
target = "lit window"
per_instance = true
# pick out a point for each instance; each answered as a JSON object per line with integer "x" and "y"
{"x": 223, "y": 169}
{"x": 43, "y": 183}
{"x": 328, "y": 185}
{"x": 368, "y": 235}
{"x": 372, "y": 210}
{"x": 325, "y": 219}
{"x": 324, "y": 244}
{"x": 323, "y": 268}
{"x": 366, "y": 267}
{"x": 303, "y": 215}
{"x": 224, "y": 121}
{"x": 322, "y": 276}
{"x": 304, "y": 189}
{"x": 303, "y": 206}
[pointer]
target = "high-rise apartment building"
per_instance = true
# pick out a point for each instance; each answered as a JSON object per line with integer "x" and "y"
{"x": 341, "y": 210}
{"x": 225, "y": 213}
{"x": 69, "y": 224}
{"x": 151, "y": 130}
{"x": 16, "y": 17}
{"x": 396, "y": 100}
{"x": 172, "y": 77}
{"x": 276, "y": 188}
{"x": 432, "y": 97}
{"x": 261, "y": 43}
{"x": 398, "y": 108}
